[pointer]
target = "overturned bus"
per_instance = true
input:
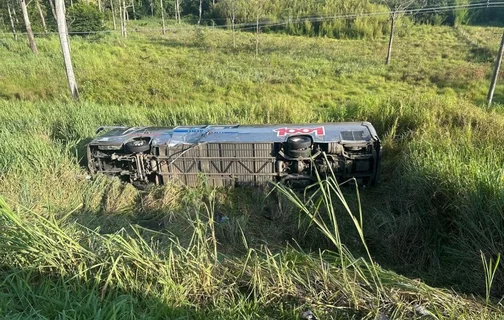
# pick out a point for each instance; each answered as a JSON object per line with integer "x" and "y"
{"x": 226, "y": 155}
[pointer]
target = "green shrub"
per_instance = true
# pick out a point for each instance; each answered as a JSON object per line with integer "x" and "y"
{"x": 85, "y": 19}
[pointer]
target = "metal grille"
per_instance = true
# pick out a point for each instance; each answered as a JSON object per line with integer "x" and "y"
{"x": 352, "y": 135}
{"x": 221, "y": 163}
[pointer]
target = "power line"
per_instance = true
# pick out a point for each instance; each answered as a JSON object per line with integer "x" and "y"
{"x": 472, "y": 6}
{"x": 253, "y": 25}
{"x": 353, "y": 15}
{"x": 482, "y": 3}
{"x": 55, "y": 32}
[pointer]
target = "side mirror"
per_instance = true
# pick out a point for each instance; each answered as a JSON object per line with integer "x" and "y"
{"x": 100, "y": 129}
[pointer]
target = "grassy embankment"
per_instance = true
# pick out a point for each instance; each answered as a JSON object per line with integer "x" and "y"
{"x": 69, "y": 247}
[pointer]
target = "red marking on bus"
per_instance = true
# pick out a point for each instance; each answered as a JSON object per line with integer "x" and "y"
{"x": 281, "y": 132}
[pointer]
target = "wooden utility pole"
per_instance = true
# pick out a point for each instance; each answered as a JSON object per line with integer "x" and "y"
{"x": 113, "y": 14}
{"x": 200, "y": 10}
{"x": 162, "y": 16}
{"x": 122, "y": 20}
{"x": 233, "y": 18}
{"x": 65, "y": 48}
{"x": 29, "y": 31}
{"x": 125, "y": 32}
{"x": 259, "y": 8}
{"x": 41, "y": 14}
{"x": 496, "y": 72}
{"x": 121, "y": 24}
{"x": 231, "y": 7}
{"x": 177, "y": 10}
{"x": 257, "y": 34}
{"x": 393, "y": 17}
{"x": 397, "y": 8}
{"x": 11, "y": 18}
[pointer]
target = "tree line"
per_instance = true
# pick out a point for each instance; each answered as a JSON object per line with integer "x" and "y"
{"x": 296, "y": 16}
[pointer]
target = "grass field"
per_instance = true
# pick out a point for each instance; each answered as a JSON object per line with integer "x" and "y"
{"x": 78, "y": 248}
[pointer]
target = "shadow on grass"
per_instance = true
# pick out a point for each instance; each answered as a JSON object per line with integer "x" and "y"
{"x": 479, "y": 54}
{"x": 33, "y": 294}
{"x": 498, "y": 97}
{"x": 81, "y": 151}
{"x": 435, "y": 230}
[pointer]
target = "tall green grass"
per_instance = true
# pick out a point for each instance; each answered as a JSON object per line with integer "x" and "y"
{"x": 441, "y": 163}
{"x": 189, "y": 66}
{"x": 437, "y": 212}
{"x": 138, "y": 273}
